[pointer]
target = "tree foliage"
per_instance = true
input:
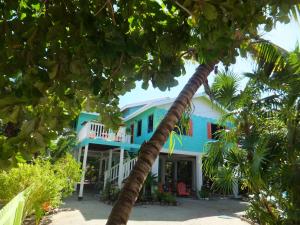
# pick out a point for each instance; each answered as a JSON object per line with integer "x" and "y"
{"x": 47, "y": 182}
{"x": 59, "y": 57}
{"x": 262, "y": 151}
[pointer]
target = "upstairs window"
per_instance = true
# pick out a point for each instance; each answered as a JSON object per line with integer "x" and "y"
{"x": 139, "y": 128}
{"x": 213, "y": 131}
{"x": 187, "y": 131}
{"x": 131, "y": 133}
{"x": 150, "y": 123}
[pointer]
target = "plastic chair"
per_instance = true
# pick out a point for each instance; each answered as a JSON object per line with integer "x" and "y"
{"x": 182, "y": 190}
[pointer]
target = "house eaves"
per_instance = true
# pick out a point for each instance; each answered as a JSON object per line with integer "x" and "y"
{"x": 141, "y": 103}
{"x": 158, "y": 102}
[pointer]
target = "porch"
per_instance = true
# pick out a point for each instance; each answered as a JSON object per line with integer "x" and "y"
{"x": 96, "y": 130}
{"x": 180, "y": 168}
{"x": 102, "y": 164}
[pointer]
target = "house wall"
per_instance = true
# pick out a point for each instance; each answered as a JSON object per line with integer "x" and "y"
{"x": 204, "y": 113}
{"x": 202, "y": 107}
{"x": 84, "y": 116}
{"x": 144, "y": 117}
{"x": 131, "y": 110}
{"x": 196, "y": 142}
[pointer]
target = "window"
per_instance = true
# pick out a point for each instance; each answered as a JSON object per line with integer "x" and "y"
{"x": 150, "y": 123}
{"x": 139, "y": 128}
{"x": 188, "y": 131}
{"x": 179, "y": 129}
{"x": 213, "y": 131}
{"x": 131, "y": 133}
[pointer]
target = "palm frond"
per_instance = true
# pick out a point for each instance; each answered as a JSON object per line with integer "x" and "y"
{"x": 225, "y": 88}
{"x": 295, "y": 13}
{"x": 294, "y": 59}
{"x": 224, "y": 180}
{"x": 213, "y": 157}
{"x": 269, "y": 57}
{"x": 173, "y": 138}
{"x": 255, "y": 172}
{"x": 236, "y": 156}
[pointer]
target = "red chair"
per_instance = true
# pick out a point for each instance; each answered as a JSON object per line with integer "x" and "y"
{"x": 181, "y": 189}
{"x": 160, "y": 188}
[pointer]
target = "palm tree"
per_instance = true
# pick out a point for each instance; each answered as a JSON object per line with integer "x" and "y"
{"x": 262, "y": 148}
{"x": 150, "y": 150}
{"x": 226, "y": 46}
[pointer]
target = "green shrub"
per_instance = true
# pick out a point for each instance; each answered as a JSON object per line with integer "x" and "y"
{"x": 168, "y": 198}
{"x": 110, "y": 193}
{"x": 48, "y": 182}
{"x": 204, "y": 192}
{"x": 68, "y": 170}
{"x": 165, "y": 197}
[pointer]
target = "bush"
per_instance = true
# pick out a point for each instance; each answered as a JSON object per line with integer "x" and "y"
{"x": 48, "y": 182}
{"x": 204, "y": 192}
{"x": 165, "y": 197}
{"x": 110, "y": 193}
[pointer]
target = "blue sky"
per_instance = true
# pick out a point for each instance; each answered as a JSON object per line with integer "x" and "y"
{"x": 284, "y": 35}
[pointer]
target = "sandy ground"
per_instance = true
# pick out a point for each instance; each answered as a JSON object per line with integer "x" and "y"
{"x": 90, "y": 211}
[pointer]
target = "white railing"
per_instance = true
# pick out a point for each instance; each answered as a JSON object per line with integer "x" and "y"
{"x": 128, "y": 166}
{"x": 112, "y": 175}
{"x": 97, "y": 130}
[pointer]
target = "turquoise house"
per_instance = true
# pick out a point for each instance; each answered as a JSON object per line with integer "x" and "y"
{"x": 114, "y": 153}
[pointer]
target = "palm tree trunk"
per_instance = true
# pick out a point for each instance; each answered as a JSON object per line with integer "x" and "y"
{"x": 150, "y": 150}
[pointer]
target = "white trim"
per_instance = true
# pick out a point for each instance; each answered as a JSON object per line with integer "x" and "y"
{"x": 158, "y": 102}
{"x": 86, "y": 149}
{"x": 199, "y": 176}
{"x": 121, "y": 168}
{"x": 137, "y": 112}
{"x": 182, "y": 152}
{"x": 141, "y": 103}
{"x": 100, "y": 166}
{"x": 91, "y": 113}
{"x": 171, "y": 100}
{"x": 155, "y": 166}
{"x": 148, "y": 106}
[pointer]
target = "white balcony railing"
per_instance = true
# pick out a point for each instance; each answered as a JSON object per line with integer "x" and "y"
{"x": 112, "y": 175}
{"x": 96, "y": 130}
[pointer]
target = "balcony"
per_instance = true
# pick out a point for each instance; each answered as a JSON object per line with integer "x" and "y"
{"x": 94, "y": 130}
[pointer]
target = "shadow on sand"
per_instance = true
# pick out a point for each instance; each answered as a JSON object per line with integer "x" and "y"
{"x": 91, "y": 208}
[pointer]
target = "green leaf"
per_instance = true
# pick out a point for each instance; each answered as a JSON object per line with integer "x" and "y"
{"x": 11, "y": 100}
{"x": 23, "y": 16}
{"x": 210, "y": 11}
{"x": 14, "y": 115}
{"x": 27, "y": 127}
{"x": 53, "y": 71}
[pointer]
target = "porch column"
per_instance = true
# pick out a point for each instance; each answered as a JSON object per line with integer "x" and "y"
{"x": 74, "y": 153}
{"x": 154, "y": 168}
{"x": 100, "y": 167}
{"x": 108, "y": 168}
{"x": 109, "y": 160}
{"x": 194, "y": 174}
{"x": 175, "y": 171}
{"x": 79, "y": 154}
{"x": 163, "y": 170}
{"x": 199, "y": 181}
{"x": 235, "y": 189}
{"x": 121, "y": 168}
{"x": 86, "y": 148}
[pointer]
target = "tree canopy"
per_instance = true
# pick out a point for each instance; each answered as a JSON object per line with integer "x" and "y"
{"x": 261, "y": 152}
{"x": 60, "y": 57}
